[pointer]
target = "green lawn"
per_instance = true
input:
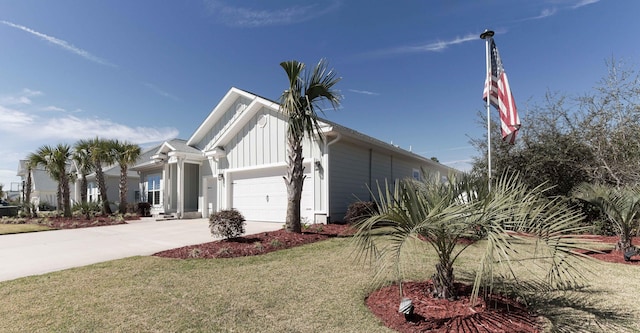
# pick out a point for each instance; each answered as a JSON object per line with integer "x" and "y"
{"x": 20, "y": 228}
{"x": 313, "y": 288}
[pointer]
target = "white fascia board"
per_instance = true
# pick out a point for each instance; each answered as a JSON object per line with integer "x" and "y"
{"x": 217, "y": 112}
{"x": 246, "y": 115}
{"x": 190, "y": 157}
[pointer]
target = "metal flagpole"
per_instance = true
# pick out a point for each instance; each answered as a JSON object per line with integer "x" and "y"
{"x": 487, "y": 35}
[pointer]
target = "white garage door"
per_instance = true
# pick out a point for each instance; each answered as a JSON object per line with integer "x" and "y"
{"x": 262, "y": 195}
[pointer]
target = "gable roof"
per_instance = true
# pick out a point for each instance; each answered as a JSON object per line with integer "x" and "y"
{"x": 257, "y": 102}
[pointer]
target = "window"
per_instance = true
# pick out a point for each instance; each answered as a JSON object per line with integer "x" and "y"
{"x": 153, "y": 189}
{"x": 416, "y": 174}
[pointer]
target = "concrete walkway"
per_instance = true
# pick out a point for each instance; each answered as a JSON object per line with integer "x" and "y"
{"x": 48, "y": 251}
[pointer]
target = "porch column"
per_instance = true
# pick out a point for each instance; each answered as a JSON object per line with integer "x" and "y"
{"x": 180, "y": 185}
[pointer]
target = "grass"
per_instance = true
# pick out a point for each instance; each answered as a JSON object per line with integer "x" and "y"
{"x": 20, "y": 228}
{"x": 312, "y": 288}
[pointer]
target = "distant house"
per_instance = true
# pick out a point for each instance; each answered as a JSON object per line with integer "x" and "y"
{"x": 112, "y": 181}
{"x": 44, "y": 190}
{"x": 237, "y": 159}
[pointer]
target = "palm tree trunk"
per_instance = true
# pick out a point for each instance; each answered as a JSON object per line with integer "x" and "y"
{"x": 83, "y": 188}
{"x": 624, "y": 243}
{"x": 59, "y": 205}
{"x": 443, "y": 281}
{"x": 66, "y": 200}
{"x": 123, "y": 189}
{"x": 31, "y": 211}
{"x": 102, "y": 187}
{"x": 294, "y": 181}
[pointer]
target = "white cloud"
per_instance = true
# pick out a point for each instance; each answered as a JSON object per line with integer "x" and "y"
{"x": 74, "y": 128}
{"x": 582, "y": 3}
{"x": 160, "y": 91}
{"x": 11, "y": 120}
{"x": 252, "y": 18}
{"x": 59, "y": 42}
{"x": 54, "y": 109}
{"x": 23, "y": 98}
{"x": 430, "y": 47}
{"x": 364, "y": 92}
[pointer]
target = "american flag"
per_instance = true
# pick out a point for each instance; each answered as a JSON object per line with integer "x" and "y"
{"x": 497, "y": 87}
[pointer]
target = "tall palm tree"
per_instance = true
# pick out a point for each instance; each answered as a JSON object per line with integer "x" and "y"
{"x": 126, "y": 154}
{"x": 82, "y": 157}
{"x": 441, "y": 213}
{"x": 101, "y": 152}
{"x": 620, "y": 205}
{"x": 54, "y": 160}
{"x": 300, "y": 102}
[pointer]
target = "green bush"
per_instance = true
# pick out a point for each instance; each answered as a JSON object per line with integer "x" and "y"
{"x": 144, "y": 209}
{"x": 227, "y": 224}
{"x": 86, "y": 209}
{"x": 360, "y": 210}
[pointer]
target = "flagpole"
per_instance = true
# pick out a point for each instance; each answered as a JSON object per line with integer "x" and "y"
{"x": 488, "y": 35}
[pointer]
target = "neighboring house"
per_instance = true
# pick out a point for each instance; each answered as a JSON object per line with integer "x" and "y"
{"x": 112, "y": 181}
{"x": 237, "y": 159}
{"x": 44, "y": 190}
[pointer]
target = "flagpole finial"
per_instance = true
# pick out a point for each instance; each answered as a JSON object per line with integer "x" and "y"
{"x": 487, "y": 34}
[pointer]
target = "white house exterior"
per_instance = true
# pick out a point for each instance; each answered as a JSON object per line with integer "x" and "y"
{"x": 44, "y": 190}
{"x": 237, "y": 159}
{"x": 112, "y": 181}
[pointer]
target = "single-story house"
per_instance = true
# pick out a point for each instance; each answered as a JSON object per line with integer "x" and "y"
{"x": 44, "y": 190}
{"x": 237, "y": 159}
{"x": 112, "y": 181}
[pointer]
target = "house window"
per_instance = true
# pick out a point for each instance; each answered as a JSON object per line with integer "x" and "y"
{"x": 416, "y": 174}
{"x": 153, "y": 189}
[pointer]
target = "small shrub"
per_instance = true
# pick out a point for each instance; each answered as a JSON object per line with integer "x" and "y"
{"x": 227, "y": 224}
{"x": 224, "y": 251}
{"x": 195, "y": 253}
{"x": 258, "y": 246}
{"x": 144, "y": 209}
{"x": 276, "y": 243}
{"x": 360, "y": 210}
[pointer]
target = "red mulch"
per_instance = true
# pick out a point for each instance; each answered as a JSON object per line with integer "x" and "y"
{"x": 611, "y": 255}
{"x": 78, "y": 222}
{"x": 258, "y": 244}
{"x": 499, "y": 314}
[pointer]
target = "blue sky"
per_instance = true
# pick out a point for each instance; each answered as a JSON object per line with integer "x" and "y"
{"x": 413, "y": 71}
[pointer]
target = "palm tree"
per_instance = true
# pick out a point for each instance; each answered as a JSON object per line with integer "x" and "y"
{"x": 54, "y": 160}
{"x": 126, "y": 154}
{"x": 620, "y": 205}
{"x": 299, "y": 103}
{"x": 82, "y": 157}
{"x": 101, "y": 152}
{"x": 441, "y": 213}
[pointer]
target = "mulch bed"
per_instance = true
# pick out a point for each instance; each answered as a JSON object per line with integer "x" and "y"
{"x": 257, "y": 244}
{"x": 59, "y": 222}
{"x": 611, "y": 255}
{"x": 493, "y": 314}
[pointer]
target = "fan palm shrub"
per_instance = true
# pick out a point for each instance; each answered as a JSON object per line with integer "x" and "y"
{"x": 441, "y": 213}
{"x": 620, "y": 205}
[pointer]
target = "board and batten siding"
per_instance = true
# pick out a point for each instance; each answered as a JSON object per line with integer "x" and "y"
{"x": 349, "y": 175}
{"x": 224, "y": 122}
{"x": 357, "y": 170}
{"x": 261, "y": 141}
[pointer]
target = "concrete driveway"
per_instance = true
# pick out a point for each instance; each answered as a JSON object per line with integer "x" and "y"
{"x": 43, "y": 252}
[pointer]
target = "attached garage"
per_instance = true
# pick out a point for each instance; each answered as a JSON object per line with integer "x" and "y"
{"x": 261, "y": 195}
